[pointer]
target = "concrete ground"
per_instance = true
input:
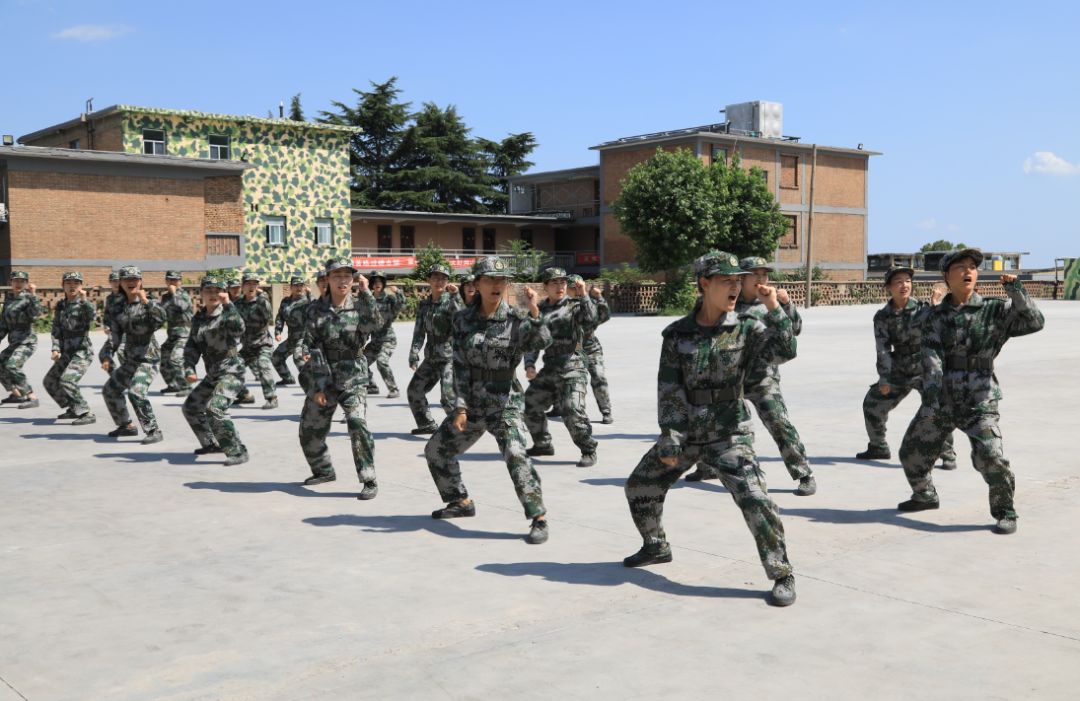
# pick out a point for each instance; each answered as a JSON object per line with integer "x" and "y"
{"x": 131, "y": 572}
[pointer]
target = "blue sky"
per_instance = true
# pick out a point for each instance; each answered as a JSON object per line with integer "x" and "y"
{"x": 975, "y": 105}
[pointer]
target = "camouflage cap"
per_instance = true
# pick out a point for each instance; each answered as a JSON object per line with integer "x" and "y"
{"x": 233, "y": 282}
{"x": 444, "y": 269}
{"x": 73, "y": 275}
{"x": 297, "y": 280}
{"x": 491, "y": 266}
{"x": 173, "y": 275}
{"x": 896, "y": 269}
{"x": 552, "y": 274}
{"x": 377, "y": 274}
{"x": 114, "y": 276}
{"x": 20, "y": 275}
{"x": 754, "y": 262}
{"x": 339, "y": 264}
{"x": 466, "y": 278}
{"x": 211, "y": 281}
{"x": 574, "y": 278}
{"x": 953, "y": 256}
{"x": 250, "y": 276}
{"x": 129, "y": 272}
{"x": 320, "y": 275}
{"x": 717, "y": 263}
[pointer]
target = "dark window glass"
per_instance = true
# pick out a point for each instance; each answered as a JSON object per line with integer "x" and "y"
{"x": 526, "y": 236}
{"x": 468, "y": 239}
{"x": 489, "y": 240}
{"x": 408, "y": 237}
{"x": 386, "y": 238}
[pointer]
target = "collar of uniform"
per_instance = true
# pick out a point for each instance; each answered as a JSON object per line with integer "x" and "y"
{"x": 548, "y": 304}
{"x": 345, "y": 304}
{"x": 911, "y": 304}
{"x": 975, "y": 300}
{"x": 501, "y": 312}
{"x": 218, "y": 310}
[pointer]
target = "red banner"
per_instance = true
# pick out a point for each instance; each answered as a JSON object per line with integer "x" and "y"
{"x": 365, "y": 262}
{"x": 588, "y": 259}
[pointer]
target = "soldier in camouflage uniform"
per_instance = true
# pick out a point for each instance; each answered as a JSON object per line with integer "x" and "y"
{"x": 178, "y": 307}
{"x": 254, "y": 306}
{"x": 135, "y": 323}
{"x": 21, "y": 308}
{"x": 763, "y": 382}
{"x": 704, "y": 362}
{"x": 437, "y": 366}
{"x": 215, "y": 337}
{"x": 286, "y": 317}
{"x": 467, "y": 288}
{"x": 594, "y": 352}
{"x": 234, "y": 288}
{"x": 961, "y": 338}
{"x": 72, "y": 351}
{"x": 337, "y": 329}
{"x": 898, "y": 338}
{"x": 489, "y": 340}
{"x": 116, "y": 301}
{"x": 303, "y": 355}
{"x": 564, "y": 379}
{"x": 383, "y": 342}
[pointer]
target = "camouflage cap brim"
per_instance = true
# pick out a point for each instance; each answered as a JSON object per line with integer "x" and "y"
{"x": 896, "y": 271}
{"x": 973, "y": 253}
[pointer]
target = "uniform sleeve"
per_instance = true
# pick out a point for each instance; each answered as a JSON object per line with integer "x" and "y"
{"x": 1021, "y": 316}
{"x": 418, "y": 334}
{"x": 777, "y": 343}
{"x": 533, "y": 336}
{"x": 3, "y": 321}
{"x": 397, "y": 303}
{"x": 282, "y": 313}
{"x": 116, "y": 337}
{"x": 882, "y": 347}
{"x": 603, "y": 310}
{"x": 156, "y": 312}
{"x": 933, "y": 361}
{"x": 672, "y": 405}
{"x": 57, "y": 328}
{"x": 792, "y": 313}
{"x": 192, "y": 350}
{"x": 371, "y": 320}
{"x": 442, "y": 320}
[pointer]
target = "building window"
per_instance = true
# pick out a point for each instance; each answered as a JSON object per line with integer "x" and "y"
{"x": 219, "y": 147}
{"x": 719, "y": 155}
{"x": 489, "y": 241}
{"x": 275, "y": 231}
{"x": 408, "y": 237}
{"x": 468, "y": 239}
{"x": 386, "y": 238}
{"x": 324, "y": 232}
{"x": 526, "y": 236}
{"x": 153, "y": 142}
{"x": 74, "y": 144}
{"x": 764, "y": 175}
{"x": 789, "y": 172}
{"x": 790, "y": 237}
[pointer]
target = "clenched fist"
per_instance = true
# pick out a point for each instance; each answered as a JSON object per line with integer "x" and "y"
{"x": 767, "y": 293}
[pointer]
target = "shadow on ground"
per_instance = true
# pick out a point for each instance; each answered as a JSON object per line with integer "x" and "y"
{"x": 408, "y": 524}
{"x": 680, "y": 484}
{"x": 294, "y": 488}
{"x": 886, "y": 516}
{"x": 171, "y": 458}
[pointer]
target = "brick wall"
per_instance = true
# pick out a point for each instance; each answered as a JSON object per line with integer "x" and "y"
{"x": 224, "y": 204}
{"x": 108, "y": 136}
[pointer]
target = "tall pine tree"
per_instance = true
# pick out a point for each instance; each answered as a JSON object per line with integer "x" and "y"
{"x": 505, "y": 158}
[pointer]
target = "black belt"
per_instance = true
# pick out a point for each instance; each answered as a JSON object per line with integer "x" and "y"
{"x": 967, "y": 362}
{"x": 698, "y": 397}
{"x": 911, "y": 349}
{"x": 492, "y": 374}
{"x": 332, "y": 355}
{"x": 137, "y": 340}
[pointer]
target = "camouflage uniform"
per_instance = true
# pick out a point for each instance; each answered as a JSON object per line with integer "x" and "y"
{"x": 258, "y": 343}
{"x": 290, "y": 315}
{"x": 216, "y": 339}
{"x": 179, "y": 309}
{"x": 339, "y": 335}
{"x": 384, "y": 341}
{"x": 135, "y": 323}
{"x": 486, "y": 352}
{"x": 565, "y": 376}
{"x": 438, "y": 355}
{"x": 594, "y": 358}
{"x": 703, "y": 419}
{"x": 898, "y": 339}
{"x": 110, "y": 308}
{"x": 960, "y": 390}
{"x": 17, "y": 324}
{"x": 304, "y": 355}
{"x": 71, "y": 339}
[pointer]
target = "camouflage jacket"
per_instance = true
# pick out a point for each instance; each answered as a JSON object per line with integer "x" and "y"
{"x": 897, "y": 338}
{"x": 438, "y": 345}
{"x": 258, "y": 314}
{"x": 591, "y": 344}
{"x": 762, "y": 372}
{"x": 977, "y": 331}
{"x": 216, "y": 339}
{"x": 303, "y": 347}
{"x": 71, "y": 325}
{"x": 487, "y": 351}
{"x": 283, "y": 310}
{"x": 390, "y": 305}
{"x": 696, "y": 361}
{"x": 339, "y": 336}
{"x": 135, "y": 324}
{"x": 17, "y": 317}
{"x": 178, "y": 309}
{"x": 567, "y": 322}
{"x": 113, "y": 303}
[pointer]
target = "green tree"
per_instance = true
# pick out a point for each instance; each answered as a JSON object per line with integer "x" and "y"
{"x": 524, "y": 259}
{"x": 756, "y": 224}
{"x": 427, "y": 258}
{"x": 942, "y": 245}
{"x": 296, "y": 112}
{"x": 504, "y": 159}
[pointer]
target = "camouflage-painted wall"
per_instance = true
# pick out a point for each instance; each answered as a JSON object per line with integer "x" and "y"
{"x": 1071, "y": 288}
{"x": 301, "y": 174}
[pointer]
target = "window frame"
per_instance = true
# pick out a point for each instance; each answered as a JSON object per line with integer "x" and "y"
{"x": 794, "y": 170}
{"x": 468, "y": 239}
{"x": 388, "y": 231}
{"x": 327, "y": 224}
{"x": 147, "y": 142}
{"x": 407, "y": 230}
{"x": 484, "y": 232}
{"x": 794, "y": 229}
{"x": 227, "y": 146}
{"x": 714, "y": 149}
{"x": 271, "y": 223}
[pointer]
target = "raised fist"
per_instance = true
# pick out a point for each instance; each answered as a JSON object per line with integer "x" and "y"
{"x": 1005, "y": 279}
{"x": 782, "y": 296}
{"x": 451, "y": 288}
{"x": 362, "y": 285}
{"x": 55, "y": 356}
{"x": 595, "y": 292}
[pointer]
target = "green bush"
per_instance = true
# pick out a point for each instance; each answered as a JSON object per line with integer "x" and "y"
{"x": 624, "y": 275}
{"x": 678, "y": 295}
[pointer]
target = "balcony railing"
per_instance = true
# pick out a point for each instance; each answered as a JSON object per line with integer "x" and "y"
{"x": 565, "y": 211}
{"x": 404, "y": 259}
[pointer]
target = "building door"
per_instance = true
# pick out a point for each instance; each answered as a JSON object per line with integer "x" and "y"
{"x": 468, "y": 239}
{"x": 386, "y": 238}
{"x": 489, "y": 241}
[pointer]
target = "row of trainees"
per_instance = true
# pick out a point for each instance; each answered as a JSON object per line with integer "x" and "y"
{"x": 706, "y": 361}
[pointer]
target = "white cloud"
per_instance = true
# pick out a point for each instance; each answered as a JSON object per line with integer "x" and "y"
{"x": 1049, "y": 163}
{"x": 93, "y": 32}
{"x": 927, "y": 224}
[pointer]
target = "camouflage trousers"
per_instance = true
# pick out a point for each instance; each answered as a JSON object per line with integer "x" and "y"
{"x": 281, "y": 355}
{"x": 444, "y": 447}
{"x": 315, "y": 426}
{"x": 207, "y": 412}
{"x": 923, "y": 443}
{"x": 876, "y": 407}
{"x": 132, "y": 379}
{"x": 771, "y": 409}
{"x": 598, "y": 377}
{"x": 12, "y": 360}
{"x": 427, "y": 376}
{"x": 257, "y": 360}
{"x": 172, "y": 359}
{"x": 62, "y": 380}
{"x": 734, "y": 462}
{"x": 567, "y": 390}
{"x": 380, "y": 355}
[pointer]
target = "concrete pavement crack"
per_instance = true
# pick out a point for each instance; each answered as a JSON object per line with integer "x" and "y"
{"x": 8, "y": 685}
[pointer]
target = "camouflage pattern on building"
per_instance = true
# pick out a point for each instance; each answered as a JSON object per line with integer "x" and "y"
{"x": 291, "y": 316}
{"x": 258, "y": 343}
{"x": 215, "y": 337}
{"x": 71, "y": 339}
{"x": 179, "y": 309}
{"x": 437, "y": 366}
{"x": 17, "y": 326}
{"x": 703, "y": 420}
{"x": 135, "y": 323}
{"x": 960, "y": 390}
{"x": 384, "y": 341}
{"x": 486, "y": 353}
